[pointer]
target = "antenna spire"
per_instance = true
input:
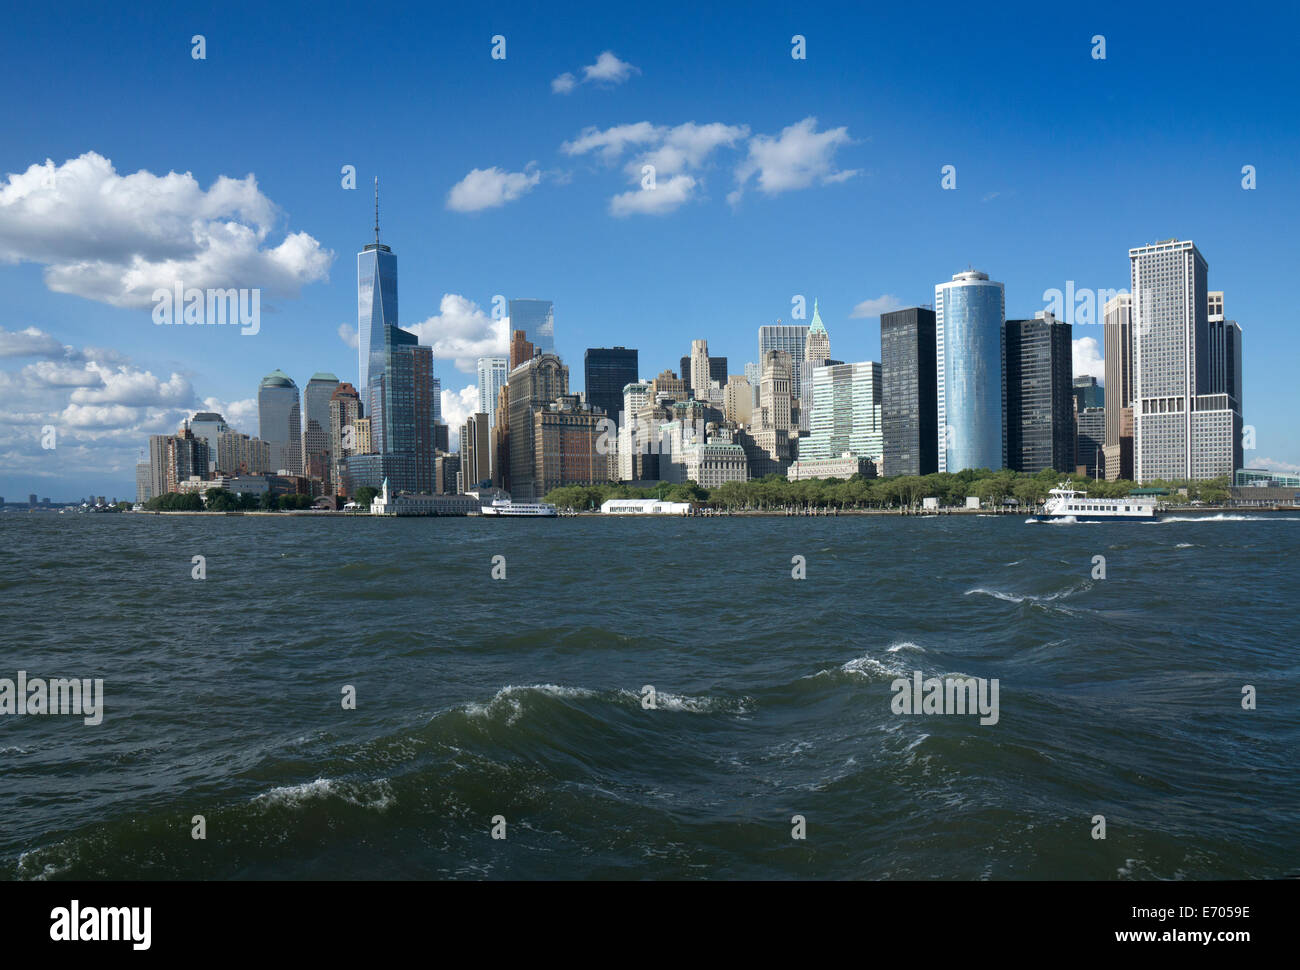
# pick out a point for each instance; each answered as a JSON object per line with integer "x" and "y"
{"x": 376, "y": 208}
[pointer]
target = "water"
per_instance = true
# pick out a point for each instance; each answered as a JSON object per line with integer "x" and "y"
{"x": 522, "y": 698}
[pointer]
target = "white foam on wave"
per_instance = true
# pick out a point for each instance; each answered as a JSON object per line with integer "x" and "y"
{"x": 905, "y": 645}
{"x": 508, "y": 699}
{"x": 1022, "y": 597}
{"x": 1184, "y": 545}
{"x": 293, "y": 796}
{"x": 1224, "y": 517}
{"x": 665, "y": 701}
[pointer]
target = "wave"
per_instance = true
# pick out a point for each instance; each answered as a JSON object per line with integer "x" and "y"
{"x": 1030, "y": 597}
{"x": 1224, "y": 517}
{"x": 905, "y": 645}
{"x": 377, "y": 795}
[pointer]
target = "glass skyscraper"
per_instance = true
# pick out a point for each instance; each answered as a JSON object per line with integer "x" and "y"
{"x": 536, "y": 318}
{"x": 606, "y": 371}
{"x": 279, "y": 421}
{"x": 492, "y": 373}
{"x": 910, "y": 393}
{"x": 316, "y": 447}
{"x": 969, "y": 353}
{"x": 1040, "y": 410}
{"x": 794, "y": 341}
{"x": 845, "y": 412}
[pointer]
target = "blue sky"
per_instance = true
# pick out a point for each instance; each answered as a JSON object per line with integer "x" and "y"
{"x": 1062, "y": 163}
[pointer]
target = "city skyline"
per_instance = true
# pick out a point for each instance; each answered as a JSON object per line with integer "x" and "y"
{"x": 614, "y": 275}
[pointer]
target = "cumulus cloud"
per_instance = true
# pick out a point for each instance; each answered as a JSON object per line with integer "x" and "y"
{"x": 1088, "y": 361}
{"x": 117, "y": 238}
{"x": 670, "y": 150}
{"x": 875, "y": 307}
{"x": 665, "y": 197}
{"x": 1273, "y": 464}
{"x": 799, "y": 157}
{"x": 489, "y": 188}
{"x": 30, "y": 343}
{"x": 457, "y": 406}
{"x": 607, "y": 72}
{"x": 348, "y": 334}
{"x": 462, "y": 332}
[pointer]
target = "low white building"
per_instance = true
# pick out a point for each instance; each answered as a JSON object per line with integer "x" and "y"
{"x": 845, "y": 467}
{"x": 408, "y": 503}
{"x": 644, "y": 506}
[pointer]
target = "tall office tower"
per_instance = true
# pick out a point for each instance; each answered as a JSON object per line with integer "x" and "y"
{"x": 317, "y": 455}
{"x": 533, "y": 385}
{"x": 364, "y": 440}
{"x": 1214, "y": 305}
{"x": 1088, "y": 393}
{"x": 425, "y": 414}
{"x": 209, "y": 426}
{"x": 376, "y": 298}
{"x": 345, "y": 409}
{"x": 699, "y": 373}
{"x": 1186, "y": 424}
{"x": 767, "y": 446}
{"x": 1091, "y": 423}
{"x": 279, "y": 421}
{"x": 536, "y": 318}
{"x": 1040, "y": 405}
{"x": 969, "y": 313}
{"x": 637, "y": 395}
{"x": 816, "y": 353}
{"x": 606, "y": 371}
{"x": 738, "y": 400}
{"x": 1118, "y": 333}
{"x": 501, "y": 440}
{"x": 685, "y": 369}
{"x": 846, "y": 412}
{"x": 794, "y": 341}
{"x": 476, "y": 451}
{"x": 142, "y": 487}
{"x": 718, "y": 370}
{"x": 492, "y": 373}
{"x": 521, "y": 350}
{"x": 909, "y": 392}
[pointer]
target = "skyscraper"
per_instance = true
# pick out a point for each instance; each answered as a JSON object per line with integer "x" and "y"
{"x": 1088, "y": 393}
{"x": 475, "y": 451}
{"x": 279, "y": 421}
{"x": 794, "y": 341}
{"x": 536, "y": 318}
{"x": 909, "y": 393}
{"x": 846, "y": 412}
{"x": 816, "y": 353}
{"x": 492, "y": 373}
{"x": 521, "y": 349}
{"x": 209, "y": 426}
{"x": 533, "y": 385}
{"x": 969, "y": 336}
{"x": 1040, "y": 405}
{"x": 376, "y": 298}
{"x": 429, "y": 434}
{"x": 699, "y": 373}
{"x": 1186, "y": 424}
{"x": 1091, "y": 433}
{"x": 606, "y": 371}
{"x": 316, "y": 450}
{"x": 345, "y": 409}
{"x": 1118, "y": 447}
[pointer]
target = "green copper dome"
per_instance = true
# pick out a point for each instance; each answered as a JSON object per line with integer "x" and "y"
{"x": 278, "y": 378}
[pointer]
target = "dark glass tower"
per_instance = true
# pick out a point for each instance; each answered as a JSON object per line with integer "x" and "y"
{"x": 607, "y": 370}
{"x": 909, "y": 392}
{"x": 1040, "y": 395}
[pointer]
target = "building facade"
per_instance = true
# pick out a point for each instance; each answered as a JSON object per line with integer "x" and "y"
{"x": 279, "y": 421}
{"x": 909, "y": 392}
{"x": 846, "y": 412}
{"x": 1040, "y": 398}
{"x": 970, "y": 312}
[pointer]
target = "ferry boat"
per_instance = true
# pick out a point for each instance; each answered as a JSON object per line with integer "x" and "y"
{"x": 531, "y": 510}
{"x": 1065, "y": 502}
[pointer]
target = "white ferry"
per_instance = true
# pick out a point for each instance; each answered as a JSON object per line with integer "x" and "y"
{"x": 531, "y": 510}
{"x": 1065, "y": 502}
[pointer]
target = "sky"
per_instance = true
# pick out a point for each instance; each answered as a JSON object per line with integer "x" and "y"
{"x": 128, "y": 164}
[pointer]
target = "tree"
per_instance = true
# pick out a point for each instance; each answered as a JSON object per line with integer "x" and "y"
{"x": 268, "y": 502}
{"x": 365, "y": 495}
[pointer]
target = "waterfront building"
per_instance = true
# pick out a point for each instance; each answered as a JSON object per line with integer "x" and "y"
{"x": 846, "y": 412}
{"x": 317, "y": 454}
{"x": 909, "y": 392}
{"x": 344, "y": 412}
{"x": 209, "y": 425}
{"x": 279, "y": 421}
{"x": 238, "y": 453}
{"x": 843, "y": 466}
{"x": 970, "y": 312}
{"x": 1118, "y": 334}
{"x": 1091, "y": 437}
{"x": 476, "y": 451}
{"x": 534, "y": 385}
{"x": 1040, "y": 408}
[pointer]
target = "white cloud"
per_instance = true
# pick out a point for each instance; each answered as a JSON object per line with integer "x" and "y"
{"x": 662, "y": 199}
{"x": 799, "y": 157}
{"x": 348, "y": 334}
{"x": 1274, "y": 464}
{"x": 30, "y": 343}
{"x": 607, "y": 72}
{"x": 488, "y": 188}
{"x": 612, "y": 141}
{"x": 688, "y": 146}
{"x": 1088, "y": 361}
{"x": 116, "y": 238}
{"x": 462, "y": 332}
{"x": 457, "y": 406}
{"x": 875, "y": 307}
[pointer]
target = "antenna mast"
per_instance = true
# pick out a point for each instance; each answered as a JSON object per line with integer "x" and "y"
{"x": 376, "y": 208}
